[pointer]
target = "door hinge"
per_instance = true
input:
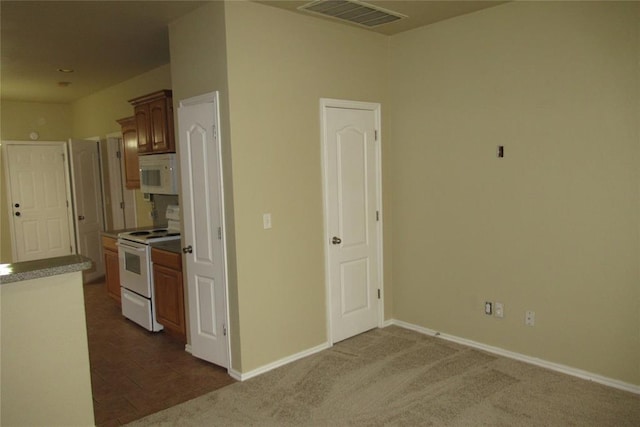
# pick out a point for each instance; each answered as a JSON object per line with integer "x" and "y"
{"x": 215, "y": 131}
{"x": 224, "y": 330}
{"x": 70, "y": 249}
{"x": 67, "y": 202}
{"x": 63, "y": 157}
{"x": 118, "y": 154}
{"x": 121, "y": 205}
{"x": 377, "y": 215}
{"x": 378, "y": 293}
{"x": 375, "y": 133}
{"x": 219, "y": 233}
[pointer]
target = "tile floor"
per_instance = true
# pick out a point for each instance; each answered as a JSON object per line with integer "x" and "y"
{"x": 134, "y": 372}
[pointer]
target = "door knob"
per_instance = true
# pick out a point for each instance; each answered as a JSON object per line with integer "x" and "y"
{"x": 81, "y": 217}
{"x": 336, "y": 240}
{"x": 17, "y": 213}
{"x": 17, "y": 205}
{"x": 187, "y": 250}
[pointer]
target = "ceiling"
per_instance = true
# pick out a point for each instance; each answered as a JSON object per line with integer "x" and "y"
{"x": 107, "y": 42}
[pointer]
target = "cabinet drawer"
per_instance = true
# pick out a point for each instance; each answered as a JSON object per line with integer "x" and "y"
{"x": 166, "y": 258}
{"x": 109, "y": 243}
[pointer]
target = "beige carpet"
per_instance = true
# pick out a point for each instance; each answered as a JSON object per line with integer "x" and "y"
{"x": 394, "y": 376}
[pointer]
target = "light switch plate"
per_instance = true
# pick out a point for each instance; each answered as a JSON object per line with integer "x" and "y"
{"x": 266, "y": 221}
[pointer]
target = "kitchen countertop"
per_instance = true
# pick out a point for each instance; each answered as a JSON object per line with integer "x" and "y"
{"x": 26, "y": 270}
{"x": 174, "y": 246}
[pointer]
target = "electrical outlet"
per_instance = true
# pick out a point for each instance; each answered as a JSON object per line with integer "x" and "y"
{"x": 499, "y": 309}
{"x": 530, "y": 318}
{"x": 488, "y": 308}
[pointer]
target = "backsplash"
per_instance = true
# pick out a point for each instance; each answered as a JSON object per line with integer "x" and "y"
{"x": 160, "y": 203}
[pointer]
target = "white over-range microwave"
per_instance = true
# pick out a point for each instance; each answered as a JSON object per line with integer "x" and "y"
{"x": 158, "y": 173}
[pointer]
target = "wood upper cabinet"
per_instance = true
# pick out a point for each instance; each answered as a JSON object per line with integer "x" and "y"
{"x": 169, "y": 292}
{"x": 111, "y": 267}
{"x": 154, "y": 122}
{"x": 130, "y": 154}
{"x": 141, "y": 117}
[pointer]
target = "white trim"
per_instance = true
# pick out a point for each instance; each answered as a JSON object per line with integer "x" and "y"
{"x": 326, "y": 103}
{"x": 388, "y": 322}
{"x": 621, "y": 385}
{"x": 214, "y": 98}
{"x": 278, "y": 363}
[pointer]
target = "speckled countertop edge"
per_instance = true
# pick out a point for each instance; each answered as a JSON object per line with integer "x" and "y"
{"x": 27, "y": 270}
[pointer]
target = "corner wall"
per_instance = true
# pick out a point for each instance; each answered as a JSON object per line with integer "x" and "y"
{"x": 198, "y": 66}
{"x": 279, "y": 65}
{"x": 553, "y": 226}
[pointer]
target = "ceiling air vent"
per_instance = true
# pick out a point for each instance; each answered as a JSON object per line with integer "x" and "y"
{"x": 356, "y": 12}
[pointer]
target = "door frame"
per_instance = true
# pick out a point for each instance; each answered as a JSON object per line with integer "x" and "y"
{"x": 214, "y": 97}
{"x": 93, "y": 273}
{"x": 115, "y": 156}
{"x": 70, "y": 213}
{"x": 326, "y": 103}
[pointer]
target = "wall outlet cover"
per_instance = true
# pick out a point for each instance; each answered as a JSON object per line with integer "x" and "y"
{"x": 499, "y": 309}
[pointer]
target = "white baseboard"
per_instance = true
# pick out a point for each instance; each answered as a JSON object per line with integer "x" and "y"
{"x": 187, "y": 348}
{"x": 243, "y": 376}
{"x": 521, "y": 357}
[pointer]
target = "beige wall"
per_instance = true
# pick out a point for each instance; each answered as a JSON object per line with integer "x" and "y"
{"x": 199, "y": 65}
{"x": 96, "y": 115}
{"x": 279, "y": 66}
{"x": 17, "y": 121}
{"x": 553, "y": 227}
{"x": 45, "y": 356}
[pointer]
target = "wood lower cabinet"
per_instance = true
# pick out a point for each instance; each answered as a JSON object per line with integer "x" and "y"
{"x": 130, "y": 154}
{"x": 111, "y": 267}
{"x": 169, "y": 292}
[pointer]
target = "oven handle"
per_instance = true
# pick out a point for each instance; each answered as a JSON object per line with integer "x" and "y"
{"x": 133, "y": 248}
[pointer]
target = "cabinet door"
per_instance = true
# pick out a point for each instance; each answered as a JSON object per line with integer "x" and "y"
{"x": 142, "y": 117}
{"x": 161, "y": 125}
{"x": 169, "y": 299}
{"x": 112, "y": 274}
{"x": 130, "y": 155}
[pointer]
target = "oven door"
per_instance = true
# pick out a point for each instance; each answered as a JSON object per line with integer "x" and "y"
{"x": 134, "y": 267}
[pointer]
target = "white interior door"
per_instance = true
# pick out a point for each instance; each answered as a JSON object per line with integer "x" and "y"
{"x": 39, "y": 200}
{"x": 352, "y": 216}
{"x": 121, "y": 202}
{"x": 202, "y": 207}
{"x": 87, "y": 197}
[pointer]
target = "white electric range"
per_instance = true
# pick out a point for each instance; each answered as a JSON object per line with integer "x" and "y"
{"x": 136, "y": 274}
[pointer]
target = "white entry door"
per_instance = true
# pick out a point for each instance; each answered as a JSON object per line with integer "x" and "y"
{"x": 87, "y": 199}
{"x": 352, "y": 216}
{"x": 202, "y": 208}
{"x": 39, "y": 200}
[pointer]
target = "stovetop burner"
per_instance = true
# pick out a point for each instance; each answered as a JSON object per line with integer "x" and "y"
{"x": 148, "y": 236}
